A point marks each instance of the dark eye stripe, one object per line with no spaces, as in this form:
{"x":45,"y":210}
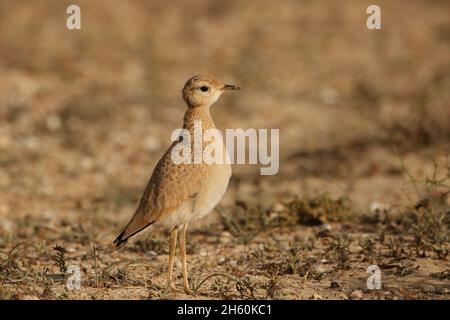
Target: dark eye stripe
{"x":204,"y":88}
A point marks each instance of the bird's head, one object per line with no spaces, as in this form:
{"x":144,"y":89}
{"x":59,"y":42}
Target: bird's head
{"x":204,"y":90}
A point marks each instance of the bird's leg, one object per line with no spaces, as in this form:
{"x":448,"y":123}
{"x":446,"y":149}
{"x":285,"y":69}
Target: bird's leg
{"x":183,"y":258}
{"x":173,"y":246}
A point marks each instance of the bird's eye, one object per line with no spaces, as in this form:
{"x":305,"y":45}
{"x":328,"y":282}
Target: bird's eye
{"x":204,"y":88}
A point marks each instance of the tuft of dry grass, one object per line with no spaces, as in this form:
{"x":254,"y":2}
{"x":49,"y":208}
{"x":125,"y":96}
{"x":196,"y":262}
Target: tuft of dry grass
{"x":321,"y":209}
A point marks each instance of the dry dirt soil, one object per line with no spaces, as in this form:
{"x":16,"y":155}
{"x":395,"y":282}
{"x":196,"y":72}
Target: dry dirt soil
{"x":364,"y":121}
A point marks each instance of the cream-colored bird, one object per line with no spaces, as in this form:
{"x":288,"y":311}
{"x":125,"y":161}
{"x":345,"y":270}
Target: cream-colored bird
{"x":179,"y":193}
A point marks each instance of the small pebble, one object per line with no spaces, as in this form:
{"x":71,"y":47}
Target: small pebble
{"x":151,"y":253}
{"x":357,"y":294}
{"x":225,"y":237}
{"x":278,"y":207}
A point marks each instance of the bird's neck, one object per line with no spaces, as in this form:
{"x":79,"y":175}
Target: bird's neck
{"x":200,"y":114}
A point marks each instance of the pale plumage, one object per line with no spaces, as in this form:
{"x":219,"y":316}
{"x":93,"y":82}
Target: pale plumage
{"x":179,"y":193}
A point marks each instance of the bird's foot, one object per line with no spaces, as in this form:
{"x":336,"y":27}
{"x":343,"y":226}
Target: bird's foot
{"x":188,"y":290}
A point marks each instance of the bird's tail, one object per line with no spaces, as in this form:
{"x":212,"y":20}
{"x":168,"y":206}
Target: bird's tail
{"x":133,"y":227}
{"x":120,"y":241}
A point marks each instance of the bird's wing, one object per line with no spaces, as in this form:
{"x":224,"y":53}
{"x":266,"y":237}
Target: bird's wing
{"x":170,"y":187}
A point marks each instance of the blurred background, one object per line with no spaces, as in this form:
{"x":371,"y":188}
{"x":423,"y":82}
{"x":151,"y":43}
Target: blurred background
{"x":85,"y":114}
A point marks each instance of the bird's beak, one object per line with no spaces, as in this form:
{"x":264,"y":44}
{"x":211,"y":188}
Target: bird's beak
{"x":230,"y":87}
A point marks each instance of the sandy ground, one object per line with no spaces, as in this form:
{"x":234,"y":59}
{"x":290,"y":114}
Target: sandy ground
{"x":363,"y":118}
